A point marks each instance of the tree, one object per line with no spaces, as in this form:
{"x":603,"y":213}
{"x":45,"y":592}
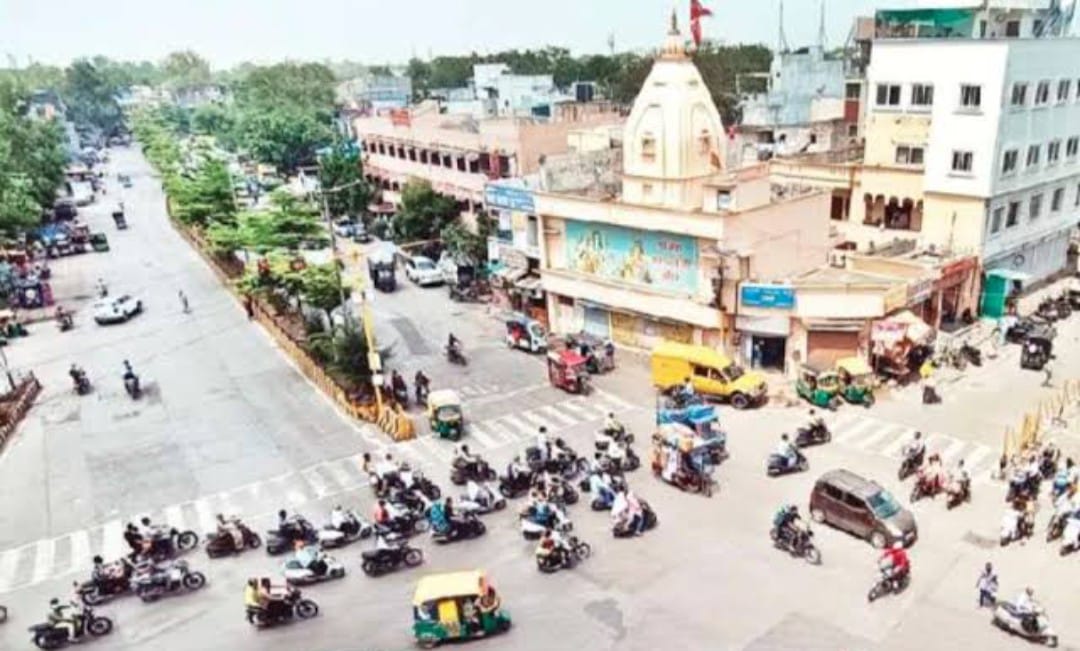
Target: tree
{"x":460,"y":241}
{"x":287,"y":224}
{"x":291,"y":85}
{"x":351,"y":355}
{"x":206,"y":197}
{"x":321,"y":288}
{"x":340,"y":167}
{"x":32,"y":160}
{"x":91,"y":97}
{"x":423,"y":212}
{"x":284,"y":137}
{"x":185,"y":69}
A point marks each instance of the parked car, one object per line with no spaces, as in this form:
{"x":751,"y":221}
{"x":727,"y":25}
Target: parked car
{"x":344,"y":228}
{"x":65,"y":209}
{"x":117,"y":310}
{"x":361,"y":234}
{"x":861,"y":507}
{"x":422,"y":271}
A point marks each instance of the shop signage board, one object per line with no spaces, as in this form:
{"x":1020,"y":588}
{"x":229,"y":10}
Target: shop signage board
{"x":769,"y":296}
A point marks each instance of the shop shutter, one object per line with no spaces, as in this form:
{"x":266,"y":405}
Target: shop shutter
{"x":830,"y":345}
{"x":596,"y":322}
{"x":625,"y":329}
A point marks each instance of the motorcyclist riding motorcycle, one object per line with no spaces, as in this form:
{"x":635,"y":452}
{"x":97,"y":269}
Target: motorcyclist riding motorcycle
{"x":959,"y":481}
{"x":516,"y":469}
{"x":131,"y":381}
{"x":787,"y":451}
{"x":1028,"y":608}
{"x":551,"y":548}
{"x":422,"y":387}
{"x":65,"y":616}
{"x":311,"y":558}
{"x":466,"y":460}
{"x":292,"y":528}
{"x":894,"y":563}
{"x":397,"y":383}
{"x":230,"y":527}
{"x":786,"y":522}
{"x":600,"y":487}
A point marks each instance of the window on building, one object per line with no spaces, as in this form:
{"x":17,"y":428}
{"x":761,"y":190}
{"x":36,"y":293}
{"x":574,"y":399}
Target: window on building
{"x":646,"y":190}
{"x":1077,"y":201}
{"x":1033,"y":155}
{"x":1057,"y":199}
{"x":1072,"y":145}
{"x":922,"y":95}
{"x":852,"y":90}
{"x":852,"y":130}
{"x":474,"y":165}
{"x":1064,"y":90}
{"x":1036,"y":26}
{"x":461,"y":163}
{"x":907,"y":155}
{"x":1013,"y":216}
{"x":648,"y":148}
{"x":1042,"y":93}
{"x":1012,"y":29}
{"x":401,"y":152}
{"x":962,"y":161}
{"x":1035,"y":207}
{"x":970,"y":96}
{"x":412,"y":154}
{"x":995,"y":220}
{"x":1053,"y":152}
{"x":888,"y":95}
{"x":1019,"y":94}
{"x":1008,"y":161}
{"x":532,"y":232}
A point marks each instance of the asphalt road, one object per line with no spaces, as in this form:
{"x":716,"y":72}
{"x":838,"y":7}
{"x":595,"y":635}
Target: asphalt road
{"x":229,"y":426}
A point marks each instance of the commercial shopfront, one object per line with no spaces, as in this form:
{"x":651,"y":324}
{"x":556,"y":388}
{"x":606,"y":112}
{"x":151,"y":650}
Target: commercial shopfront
{"x":763,"y":325}
{"x":514,"y":250}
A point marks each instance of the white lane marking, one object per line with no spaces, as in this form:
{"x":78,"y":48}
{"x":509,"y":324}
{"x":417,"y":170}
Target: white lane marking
{"x":80,"y":551}
{"x":205,"y":515}
{"x":616,"y":401}
{"x":974,"y":462}
{"x":433,"y":447}
{"x":883,"y":431}
{"x":44,"y":553}
{"x":575,"y":406}
{"x":476,"y":432}
{"x":893,"y":450}
{"x":952,"y":451}
{"x":537,"y":420}
{"x":112,"y":540}
{"x":174,"y":516}
{"x":516,"y":423}
{"x":9,"y":564}
{"x":857,"y":428}
{"x":316,"y":482}
{"x":340,"y":474}
{"x":556,"y":415}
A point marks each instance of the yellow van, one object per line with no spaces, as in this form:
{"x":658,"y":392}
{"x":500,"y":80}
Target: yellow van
{"x":710,"y":371}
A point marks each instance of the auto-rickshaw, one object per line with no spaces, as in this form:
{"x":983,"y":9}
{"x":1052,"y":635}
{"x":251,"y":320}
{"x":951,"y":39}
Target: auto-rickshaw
{"x":99,"y":241}
{"x":445,"y":415}
{"x":526,"y":334}
{"x":599,"y":353}
{"x":1037,"y":348}
{"x":856,"y":381}
{"x":567,"y":371}
{"x":819,"y":385}
{"x":703,"y":421}
{"x":121,"y":221}
{"x":456,"y":606}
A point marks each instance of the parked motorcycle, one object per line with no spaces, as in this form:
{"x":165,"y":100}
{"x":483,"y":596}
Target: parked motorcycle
{"x":50,"y":636}
{"x":799,"y":543}
{"x":218,"y":545}
{"x":161,"y":580}
{"x":377,"y":562}
{"x":1035,"y":628}
{"x":564,"y":559}
{"x":279,"y":611}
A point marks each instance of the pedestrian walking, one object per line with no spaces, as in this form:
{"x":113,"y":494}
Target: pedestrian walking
{"x":184,"y":302}
{"x":757,"y":354}
{"x":1047,"y":381}
{"x":988,"y":585}
{"x":248,"y":307}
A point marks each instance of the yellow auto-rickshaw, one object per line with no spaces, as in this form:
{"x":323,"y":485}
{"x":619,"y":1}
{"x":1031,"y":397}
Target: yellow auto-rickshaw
{"x":445,"y":415}
{"x":456,"y":606}
{"x":856,"y":380}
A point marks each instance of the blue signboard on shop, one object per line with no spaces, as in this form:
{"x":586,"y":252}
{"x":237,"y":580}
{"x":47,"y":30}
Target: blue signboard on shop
{"x":767,"y":296}
{"x":507,"y":197}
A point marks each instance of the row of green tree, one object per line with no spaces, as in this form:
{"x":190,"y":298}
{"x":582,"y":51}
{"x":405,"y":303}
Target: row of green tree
{"x":619,"y":75}
{"x":32,"y":160}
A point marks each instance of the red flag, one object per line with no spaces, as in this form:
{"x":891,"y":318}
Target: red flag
{"x":697,"y":12}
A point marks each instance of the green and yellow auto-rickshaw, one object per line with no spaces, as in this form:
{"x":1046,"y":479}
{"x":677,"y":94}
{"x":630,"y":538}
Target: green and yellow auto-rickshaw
{"x":456,"y":606}
{"x":819,"y":385}
{"x":445,"y":415}
{"x":856,"y":381}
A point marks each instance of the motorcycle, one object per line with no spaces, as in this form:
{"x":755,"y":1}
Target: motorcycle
{"x":352,"y":529}
{"x":1022,"y":486}
{"x":488,"y":502}
{"x":377,"y":562}
{"x":1035,"y":627}
{"x":462,"y":472}
{"x":607,"y":435}
{"x":408,"y":523}
{"x":455,"y":356}
{"x":131,"y":385}
{"x":798,"y":543}
{"x":65,"y":322}
{"x":278,"y":542}
{"x":627,"y":461}
{"x":464,"y":528}
{"x":563,"y":463}
{"x":911,"y":463}
{"x":779,"y":465}
{"x":622,"y":529}
{"x":82,"y":384}
{"x":169,"y":544}
{"x":322,"y":569}
{"x":425,"y":486}
{"x":925,"y":486}
{"x":1014,"y":527}
{"x":533,"y":527}
{"x":401,"y":396}
{"x":958,"y":494}
{"x":161,"y":580}
{"x":50,"y":636}
{"x":564,"y":558}
{"x":1070,"y":536}
{"x":93,"y":593}
{"x":561,"y":493}
{"x":279,"y":611}
{"x":602,"y":503}
{"x":223,"y":544}
{"x":513,"y":488}
{"x":888,"y":583}
{"x":814,"y":434}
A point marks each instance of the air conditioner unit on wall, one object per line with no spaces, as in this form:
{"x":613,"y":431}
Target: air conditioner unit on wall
{"x":838,"y":259}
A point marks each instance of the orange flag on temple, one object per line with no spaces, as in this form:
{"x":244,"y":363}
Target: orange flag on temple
{"x":697,"y":12}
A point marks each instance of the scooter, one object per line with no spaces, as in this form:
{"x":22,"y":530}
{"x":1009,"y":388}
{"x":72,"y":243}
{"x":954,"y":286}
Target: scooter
{"x":623,"y":529}
{"x":532,"y":528}
{"x":910,"y":464}
{"x":218,"y":545}
{"x":1070,"y":537}
{"x":464,"y":528}
{"x":1014,"y":527}
{"x":488,"y":502}
{"x":277,"y":544}
{"x":324,"y":568}
{"x":565,"y":558}
{"x":354,"y":528}
{"x":166,"y":579}
{"x":815,"y":434}
{"x":779,"y":464}
{"x":1038,"y":629}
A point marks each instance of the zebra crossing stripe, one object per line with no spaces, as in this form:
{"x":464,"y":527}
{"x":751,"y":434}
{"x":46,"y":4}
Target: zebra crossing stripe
{"x":876,"y":436}
{"x":952,"y":451}
{"x":975,"y":458}
{"x":575,"y":406}
{"x":476,"y":431}
{"x":537,"y":420}
{"x":44,"y":552}
{"x":9,"y":564}
{"x":431,"y":445}
{"x":339,"y":473}
{"x":562,"y":419}
{"x":855,"y":430}
{"x":843,"y":420}
{"x":894,"y":450}
{"x":112,"y":540}
{"x":516,"y":423}
{"x":316,"y":482}
{"x":80,"y":551}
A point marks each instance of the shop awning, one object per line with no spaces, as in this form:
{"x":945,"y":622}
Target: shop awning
{"x":902,"y":325}
{"x":1009,"y":274}
{"x":834,"y":325}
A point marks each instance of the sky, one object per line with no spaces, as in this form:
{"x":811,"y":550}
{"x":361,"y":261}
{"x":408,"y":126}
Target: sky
{"x":227,"y":32}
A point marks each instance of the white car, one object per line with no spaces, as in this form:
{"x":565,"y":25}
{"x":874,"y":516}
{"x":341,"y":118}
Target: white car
{"x":422,"y":271}
{"x":116,"y":310}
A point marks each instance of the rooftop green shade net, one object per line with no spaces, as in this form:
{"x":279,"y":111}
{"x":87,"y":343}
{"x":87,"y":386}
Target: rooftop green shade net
{"x":924,"y":23}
